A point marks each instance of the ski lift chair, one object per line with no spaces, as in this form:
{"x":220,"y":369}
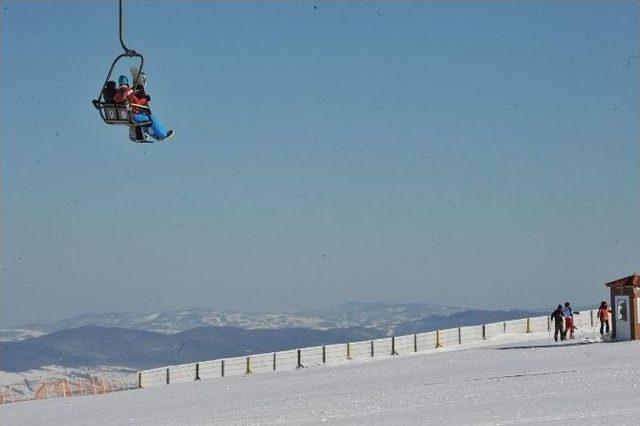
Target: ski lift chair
{"x":122,"y":113}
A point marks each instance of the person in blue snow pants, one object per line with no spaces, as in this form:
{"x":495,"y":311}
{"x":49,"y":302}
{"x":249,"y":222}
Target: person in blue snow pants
{"x":156,"y":130}
{"x":139,"y":102}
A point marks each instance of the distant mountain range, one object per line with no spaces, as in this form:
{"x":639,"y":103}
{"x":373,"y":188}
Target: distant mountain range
{"x":85,"y":341}
{"x":462,"y":319}
{"x":121,"y":347}
{"x":379,"y":315}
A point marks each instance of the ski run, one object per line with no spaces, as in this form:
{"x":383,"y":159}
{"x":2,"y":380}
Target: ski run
{"x":518,"y":379}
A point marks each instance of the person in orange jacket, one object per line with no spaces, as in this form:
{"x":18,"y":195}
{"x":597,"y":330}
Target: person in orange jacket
{"x":603,"y":316}
{"x":569,"y":326}
{"x":139,"y":100}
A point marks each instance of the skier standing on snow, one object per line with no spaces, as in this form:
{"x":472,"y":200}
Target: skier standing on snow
{"x":558,"y":318}
{"x":603,"y":315}
{"x":568,"y":320}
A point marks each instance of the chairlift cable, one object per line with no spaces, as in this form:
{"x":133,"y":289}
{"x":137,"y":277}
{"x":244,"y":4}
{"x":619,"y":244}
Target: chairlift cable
{"x":126,"y":49}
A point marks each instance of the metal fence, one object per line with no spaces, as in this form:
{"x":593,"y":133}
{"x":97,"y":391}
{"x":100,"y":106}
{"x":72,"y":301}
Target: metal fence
{"x":349,"y":351}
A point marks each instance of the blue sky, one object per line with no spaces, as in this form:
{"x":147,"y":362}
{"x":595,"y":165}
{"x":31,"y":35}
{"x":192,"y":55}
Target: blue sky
{"x":475,"y":154}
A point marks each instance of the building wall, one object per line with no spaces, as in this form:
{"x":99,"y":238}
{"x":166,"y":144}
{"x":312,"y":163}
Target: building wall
{"x":634,"y":294}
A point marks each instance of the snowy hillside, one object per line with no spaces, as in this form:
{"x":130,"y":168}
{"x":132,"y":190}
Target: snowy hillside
{"x":18,"y":334}
{"x":520,"y":379}
{"x":121,"y":347}
{"x":98,"y":350}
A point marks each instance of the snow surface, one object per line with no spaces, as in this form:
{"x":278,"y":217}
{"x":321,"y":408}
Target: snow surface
{"x":521,"y":379}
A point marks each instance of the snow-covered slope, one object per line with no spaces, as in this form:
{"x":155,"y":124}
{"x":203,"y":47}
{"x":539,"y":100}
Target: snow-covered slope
{"x":522,"y":379}
{"x":18,"y":334}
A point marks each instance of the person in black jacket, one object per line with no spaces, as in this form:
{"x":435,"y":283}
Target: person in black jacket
{"x":558,"y":318}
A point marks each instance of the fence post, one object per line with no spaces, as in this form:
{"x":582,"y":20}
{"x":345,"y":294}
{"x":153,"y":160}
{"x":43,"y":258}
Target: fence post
{"x":299,"y":359}
{"x":459,"y":335}
{"x":248,"y":366}
{"x":348,"y":350}
{"x":139,"y":379}
{"x":591,"y":313}
{"x":484,"y":332}
{"x":504,"y":327}
{"x":528,"y":325}
{"x":372,"y":349}
{"x":274,"y":361}
{"x":415,"y":342}
{"x":197,"y":371}
{"x":438,"y":343}
{"x":167,"y":376}
{"x":548,"y":324}
{"x":393,"y":345}
{"x":324,"y":354}
{"x":222,"y":368}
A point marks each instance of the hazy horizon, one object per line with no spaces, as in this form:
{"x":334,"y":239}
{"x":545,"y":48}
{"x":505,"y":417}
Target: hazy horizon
{"x":284,"y":311}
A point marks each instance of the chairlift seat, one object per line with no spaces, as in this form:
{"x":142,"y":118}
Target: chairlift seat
{"x":118,"y":114}
{"x":121,"y":113}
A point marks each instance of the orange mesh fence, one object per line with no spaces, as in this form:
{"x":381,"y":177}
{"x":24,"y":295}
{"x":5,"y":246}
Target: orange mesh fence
{"x":62,"y":388}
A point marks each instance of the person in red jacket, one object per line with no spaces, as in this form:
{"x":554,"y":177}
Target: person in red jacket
{"x":139,"y":101}
{"x":603,"y":316}
{"x":569,"y":326}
